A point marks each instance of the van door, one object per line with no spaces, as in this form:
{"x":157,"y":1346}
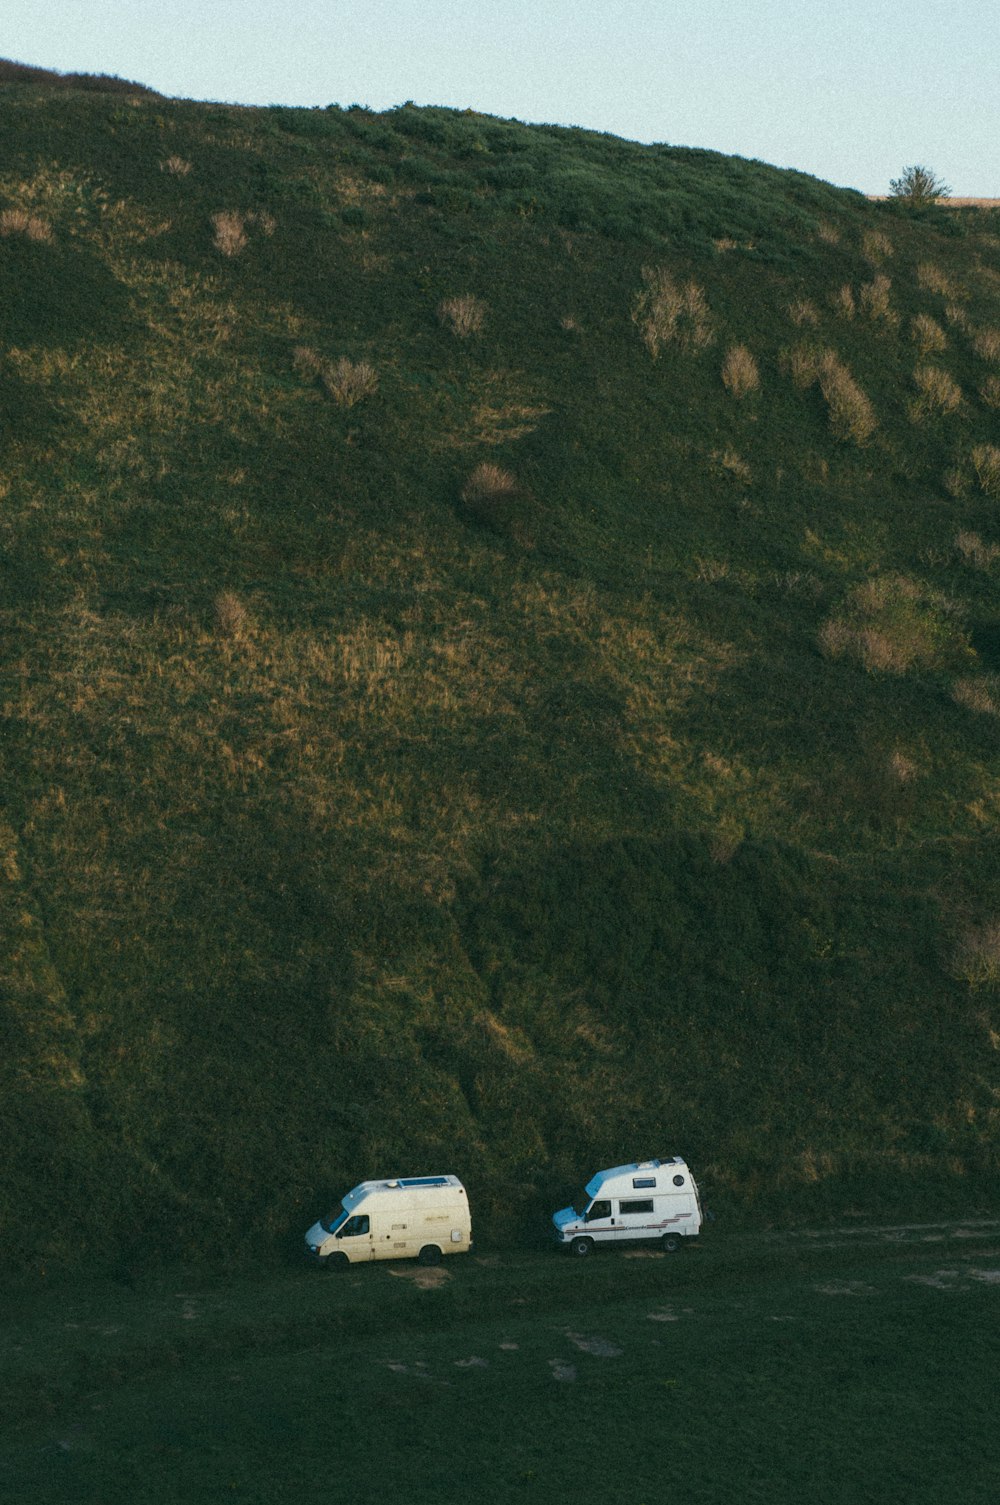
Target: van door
{"x":357,"y":1240}
{"x":598,"y":1219}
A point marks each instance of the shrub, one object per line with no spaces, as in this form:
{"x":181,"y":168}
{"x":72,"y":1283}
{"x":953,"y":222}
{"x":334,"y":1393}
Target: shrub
{"x":927,"y":335}
{"x":739,"y":371}
{"x":986,"y":463}
{"x":349,"y":381}
{"x":918,"y":185}
{"x":230,"y":232}
{"x":939,"y":394}
{"x":664,"y":312}
{"x":19,"y":222}
{"x":464,"y":315}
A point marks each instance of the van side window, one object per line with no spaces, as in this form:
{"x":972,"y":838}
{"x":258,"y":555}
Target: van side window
{"x":639,"y":1182}
{"x":637,"y":1206}
{"x":599,"y":1210}
{"x":354,"y":1226}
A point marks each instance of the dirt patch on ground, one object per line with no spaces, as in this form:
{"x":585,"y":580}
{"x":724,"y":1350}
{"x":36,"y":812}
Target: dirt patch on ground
{"x":428,"y":1279}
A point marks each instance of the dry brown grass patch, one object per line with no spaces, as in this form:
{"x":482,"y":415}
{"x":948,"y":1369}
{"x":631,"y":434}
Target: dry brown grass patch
{"x":464,"y":315}
{"x":740,"y":374}
{"x":933,"y":280}
{"x":827,"y":233}
{"x":973,"y":551}
{"x":891,"y":624}
{"x":803,"y":312}
{"x":665,"y":312}
{"x":20,"y":222}
{"x":178,"y":167}
{"x":979,"y":693}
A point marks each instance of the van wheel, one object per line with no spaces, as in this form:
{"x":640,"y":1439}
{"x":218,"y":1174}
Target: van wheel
{"x":671,"y":1242}
{"x":430,"y":1254}
{"x":581,"y":1247}
{"x":338,"y":1261}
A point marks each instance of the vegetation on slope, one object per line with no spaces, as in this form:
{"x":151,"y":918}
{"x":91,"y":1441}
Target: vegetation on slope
{"x":501,"y":670}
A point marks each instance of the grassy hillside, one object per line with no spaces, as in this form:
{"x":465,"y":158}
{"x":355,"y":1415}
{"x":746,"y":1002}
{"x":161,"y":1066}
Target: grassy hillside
{"x":501,"y":672}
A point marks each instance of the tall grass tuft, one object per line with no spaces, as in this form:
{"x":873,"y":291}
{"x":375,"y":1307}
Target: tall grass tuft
{"x":842,"y":301}
{"x":876,"y":246}
{"x":178,"y":167}
{"x":986,"y":464}
{"x":740,"y":374}
{"x":986,"y":344}
{"x":939,"y":394}
{"x":927,"y":335}
{"x":666,"y":312}
{"x":974,"y":551}
{"x":231,"y":616}
{"x":348,"y":382}
{"x":852,"y":418}
{"x":977,"y":956}
{"x":990,"y":391}
{"x":230,"y":232}
{"x":874,"y":299}
{"x":464,"y":315}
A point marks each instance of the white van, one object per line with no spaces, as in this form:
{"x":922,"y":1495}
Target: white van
{"x":653,"y":1199}
{"x":416,"y":1217}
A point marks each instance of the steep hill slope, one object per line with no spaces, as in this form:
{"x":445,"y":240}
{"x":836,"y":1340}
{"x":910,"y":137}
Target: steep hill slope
{"x":501,"y":670}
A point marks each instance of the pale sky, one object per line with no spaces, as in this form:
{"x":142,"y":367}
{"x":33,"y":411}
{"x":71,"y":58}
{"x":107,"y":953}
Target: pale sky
{"x":852,"y":91}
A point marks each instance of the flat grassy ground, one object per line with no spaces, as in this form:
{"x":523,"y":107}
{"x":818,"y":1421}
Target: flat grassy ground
{"x":853,"y":1364}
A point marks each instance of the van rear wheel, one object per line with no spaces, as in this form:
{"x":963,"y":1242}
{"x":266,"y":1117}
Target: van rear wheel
{"x":430,"y":1254}
{"x":671,"y":1242}
{"x":581,"y":1247}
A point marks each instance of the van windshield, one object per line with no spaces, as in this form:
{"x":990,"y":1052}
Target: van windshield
{"x":580,"y":1203}
{"x":333,"y":1219}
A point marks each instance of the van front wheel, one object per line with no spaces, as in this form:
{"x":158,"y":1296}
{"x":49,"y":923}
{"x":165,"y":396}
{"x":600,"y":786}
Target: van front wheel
{"x":430,"y":1254}
{"x":581,"y":1247}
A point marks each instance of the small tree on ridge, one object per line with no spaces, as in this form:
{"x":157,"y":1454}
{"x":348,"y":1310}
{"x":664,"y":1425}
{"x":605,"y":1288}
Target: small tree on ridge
{"x":918,"y":185}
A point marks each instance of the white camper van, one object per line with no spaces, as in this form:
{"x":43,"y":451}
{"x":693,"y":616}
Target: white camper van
{"x":653,"y":1199}
{"x":416,"y":1217}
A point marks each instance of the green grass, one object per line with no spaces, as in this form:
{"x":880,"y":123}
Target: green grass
{"x":852,"y":1367}
{"x":348,"y":828}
